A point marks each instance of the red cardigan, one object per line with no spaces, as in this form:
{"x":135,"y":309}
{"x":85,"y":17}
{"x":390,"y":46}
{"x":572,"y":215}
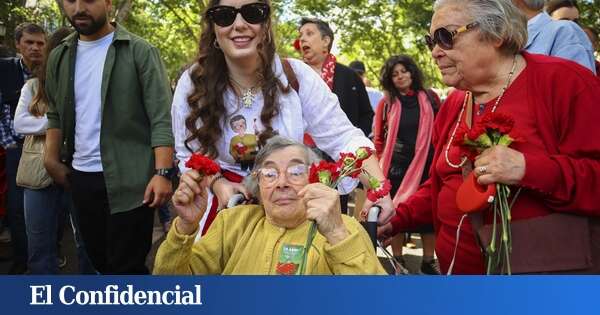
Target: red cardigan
{"x":563,"y":98}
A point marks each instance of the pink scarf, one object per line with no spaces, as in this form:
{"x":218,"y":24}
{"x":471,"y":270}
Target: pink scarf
{"x":412,"y":178}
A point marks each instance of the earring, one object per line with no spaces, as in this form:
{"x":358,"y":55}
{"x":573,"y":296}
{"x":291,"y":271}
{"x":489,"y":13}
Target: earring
{"x":268,"y":37}
{"x":216,"y":44}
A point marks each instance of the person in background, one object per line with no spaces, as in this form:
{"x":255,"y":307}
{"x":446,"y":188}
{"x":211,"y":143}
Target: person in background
{"x":374,"y":94}
{"x":238,"y":73}
{"x":45,"y":207}
{"x":402,"y":136}
{"x":316,"y":40}
{"x":562,"y":9}
{"x":108,"y":99}
{"x":563,"y":39}
{"x":30,"y":40}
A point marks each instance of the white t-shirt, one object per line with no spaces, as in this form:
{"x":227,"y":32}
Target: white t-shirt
{"x":315,"y":110}
{"x":89,"y":67}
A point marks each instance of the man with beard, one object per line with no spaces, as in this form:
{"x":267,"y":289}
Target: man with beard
{"x":30,"y":40}
{"x":109,"y":116}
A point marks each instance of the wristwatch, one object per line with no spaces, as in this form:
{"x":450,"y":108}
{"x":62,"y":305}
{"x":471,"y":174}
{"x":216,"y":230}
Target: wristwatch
{"x":168,"y":173}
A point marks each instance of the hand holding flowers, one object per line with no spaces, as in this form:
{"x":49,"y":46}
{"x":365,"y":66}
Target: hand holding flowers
{"x":487,"y":143}
{"x":189,"y":199}
{"x":330,"y":174}
{"x":502,"y":164}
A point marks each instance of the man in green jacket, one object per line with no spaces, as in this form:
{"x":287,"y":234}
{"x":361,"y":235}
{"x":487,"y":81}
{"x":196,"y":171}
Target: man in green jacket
{"x":109,"y":116}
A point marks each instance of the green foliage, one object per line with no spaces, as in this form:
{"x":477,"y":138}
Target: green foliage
{"x":170,"y":25}
{"x":367,"y":30}
{"x":13,"y":13}
{"x":590,"y":15}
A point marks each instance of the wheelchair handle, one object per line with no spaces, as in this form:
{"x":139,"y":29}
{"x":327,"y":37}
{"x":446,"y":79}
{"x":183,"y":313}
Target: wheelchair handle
{"x":371,"y":224}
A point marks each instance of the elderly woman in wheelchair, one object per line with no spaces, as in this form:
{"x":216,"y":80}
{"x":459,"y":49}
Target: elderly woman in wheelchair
{"x":268,"y":238}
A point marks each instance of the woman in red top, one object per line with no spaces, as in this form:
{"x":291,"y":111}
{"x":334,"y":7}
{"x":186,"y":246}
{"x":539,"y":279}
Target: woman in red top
{"x":555,"y":225}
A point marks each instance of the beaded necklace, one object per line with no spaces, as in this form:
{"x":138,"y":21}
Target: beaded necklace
{"x":464,"y":105}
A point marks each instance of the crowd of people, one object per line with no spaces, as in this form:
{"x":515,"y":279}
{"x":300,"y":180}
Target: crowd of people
{"x":92,"y":135}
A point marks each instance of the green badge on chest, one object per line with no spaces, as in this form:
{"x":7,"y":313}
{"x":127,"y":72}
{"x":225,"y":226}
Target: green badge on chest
{"x":290,"y":259}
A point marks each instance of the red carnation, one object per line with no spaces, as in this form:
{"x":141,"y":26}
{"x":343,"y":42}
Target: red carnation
{"x":475,"y":132}
{"x":324,"y":173}
{"x":382,"y":191}
{"x":503,"y":123}
{"x":202,"y":164}
{"x":297,"y":44}
{"x":363,"y":153}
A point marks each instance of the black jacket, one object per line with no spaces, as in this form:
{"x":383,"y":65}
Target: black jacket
{"x":11,"y":82}
{"x":353,"y":97}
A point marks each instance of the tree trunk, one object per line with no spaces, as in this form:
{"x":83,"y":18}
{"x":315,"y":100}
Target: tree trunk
{"x":123,"y":11}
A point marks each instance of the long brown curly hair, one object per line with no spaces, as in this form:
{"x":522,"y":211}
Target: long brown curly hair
{"x":210,"y":77}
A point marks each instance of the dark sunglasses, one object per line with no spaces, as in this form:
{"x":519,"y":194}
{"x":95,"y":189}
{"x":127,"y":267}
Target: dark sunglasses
{"x":445,"y":38}
{"x":253,"y":13}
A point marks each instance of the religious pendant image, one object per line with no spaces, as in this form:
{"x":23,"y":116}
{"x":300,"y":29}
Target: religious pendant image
{"x":248,"y":98}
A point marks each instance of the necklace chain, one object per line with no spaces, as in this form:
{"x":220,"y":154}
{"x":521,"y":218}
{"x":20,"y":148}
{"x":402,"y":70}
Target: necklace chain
{"x":247,"y":94}
{"x":463,"y":159}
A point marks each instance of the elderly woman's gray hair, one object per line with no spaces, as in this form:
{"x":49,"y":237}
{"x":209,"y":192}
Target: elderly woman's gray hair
{"x":497,"y":20}
{"x":276,"y":143}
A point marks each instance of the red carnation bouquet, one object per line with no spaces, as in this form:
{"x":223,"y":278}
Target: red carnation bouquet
{"x":332,"y":173}
{"x":493,"y":129}
{"x":203,"y":164}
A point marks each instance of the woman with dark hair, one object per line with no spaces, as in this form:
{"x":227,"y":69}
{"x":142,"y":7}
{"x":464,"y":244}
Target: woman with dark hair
{"x":402,"y":137}
{"x":237,"y":72}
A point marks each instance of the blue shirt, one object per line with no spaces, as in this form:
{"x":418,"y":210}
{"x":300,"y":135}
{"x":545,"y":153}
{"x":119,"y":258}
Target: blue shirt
{"x":563,"y":39}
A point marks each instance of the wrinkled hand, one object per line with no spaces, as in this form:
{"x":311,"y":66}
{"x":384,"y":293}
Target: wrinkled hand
{"x":387,"y":209}
{"x":385,"y":234}
{"x":323,"y":206}
{"x":500,"y":164}
{"x":225,"y":189}
{"x":158,"y":191}
{"x":190,"y":201}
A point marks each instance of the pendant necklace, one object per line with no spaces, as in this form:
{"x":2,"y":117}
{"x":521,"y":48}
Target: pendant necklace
{"x":468,"y":96}
{"x":247,"y":94}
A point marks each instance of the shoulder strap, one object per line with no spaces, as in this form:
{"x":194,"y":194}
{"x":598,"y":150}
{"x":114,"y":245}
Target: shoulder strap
{"x":290,"y":75}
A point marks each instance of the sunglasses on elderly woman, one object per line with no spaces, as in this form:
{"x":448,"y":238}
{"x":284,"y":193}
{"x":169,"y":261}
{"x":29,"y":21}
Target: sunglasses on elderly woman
{"x":295,"y":174}
{"x":253,"y":13}
{"x":445,"y":38}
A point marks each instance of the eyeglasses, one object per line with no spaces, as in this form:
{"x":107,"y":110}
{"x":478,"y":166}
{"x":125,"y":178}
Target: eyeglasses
{"x":445,"y":38}
{"x":253,"y":13}
{"x":295,"y":174}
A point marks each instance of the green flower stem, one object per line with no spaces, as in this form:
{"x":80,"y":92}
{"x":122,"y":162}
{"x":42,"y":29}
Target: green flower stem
{"x":312,"y":232}
{"x":492,"y":247}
